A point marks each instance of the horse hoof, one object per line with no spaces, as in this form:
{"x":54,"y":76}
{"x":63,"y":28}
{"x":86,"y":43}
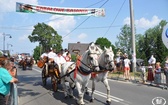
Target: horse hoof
{"x":66,"y":97}
{"x":91,"y":100}
{"x":108,"y":102}
{"x":80,"y":103}
{"x":70,"y":96}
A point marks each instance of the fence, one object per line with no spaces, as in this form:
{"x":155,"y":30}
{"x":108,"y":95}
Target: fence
{"x":13,"y":96}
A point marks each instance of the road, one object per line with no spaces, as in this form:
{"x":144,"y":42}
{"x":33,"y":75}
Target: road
{"x":32,"y":92}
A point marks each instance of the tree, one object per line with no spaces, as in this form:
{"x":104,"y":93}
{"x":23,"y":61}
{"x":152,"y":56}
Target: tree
{"x":124,"y":43}
{"x":104,"y":42}
{"x":151,"y":43}
{"x":37,"y":53}
{"x":46,"y":36}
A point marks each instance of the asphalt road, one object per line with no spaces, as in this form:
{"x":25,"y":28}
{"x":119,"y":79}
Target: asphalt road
{"x":32,"y":92}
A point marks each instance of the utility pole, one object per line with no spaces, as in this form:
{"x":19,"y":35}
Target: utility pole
{"x":133,"y":36}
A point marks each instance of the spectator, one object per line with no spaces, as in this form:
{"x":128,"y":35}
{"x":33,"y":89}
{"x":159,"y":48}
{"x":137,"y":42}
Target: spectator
{"x":150,"y":77}
{"x":166,"y":71}
{"x":5,"y":80}
{"x":152,"y":62}
{"x":127,"y":68}
{"x":157,"y":78}
{"x":12,"y":72}
{"x":143,"y":73}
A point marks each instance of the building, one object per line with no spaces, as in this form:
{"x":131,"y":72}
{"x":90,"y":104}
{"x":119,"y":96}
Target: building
{"x":78,"y":47}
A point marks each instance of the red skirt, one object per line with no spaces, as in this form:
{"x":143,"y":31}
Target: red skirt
{"x":150,"y":76}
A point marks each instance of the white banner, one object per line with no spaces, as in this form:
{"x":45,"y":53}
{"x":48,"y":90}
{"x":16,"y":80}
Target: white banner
{"x":27,"y":8}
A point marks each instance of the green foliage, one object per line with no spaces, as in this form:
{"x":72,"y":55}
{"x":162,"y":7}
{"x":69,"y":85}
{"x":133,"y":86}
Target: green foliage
{"x":37,"y":53}
{"x":73,"y":57}
{"x":103,"y":42}
{"x":124,"y":40}
{"x":0,"y":54}
{"x":151,"y":43}
{"x":146,"y":45}
{"x":46,"y":36}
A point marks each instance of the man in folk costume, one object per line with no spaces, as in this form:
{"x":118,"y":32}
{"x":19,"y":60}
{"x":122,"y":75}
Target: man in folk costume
{"x":51,"y":57}
{"x":59,"y":59}
{"x":65,"y":52}
{"x":44,"y":58}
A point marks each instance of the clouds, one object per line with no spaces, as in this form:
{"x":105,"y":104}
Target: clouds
{"x":62,"y":24}
{"x":65,"y":24}
{"x":144,"y":23}
{"x":82,"y":36}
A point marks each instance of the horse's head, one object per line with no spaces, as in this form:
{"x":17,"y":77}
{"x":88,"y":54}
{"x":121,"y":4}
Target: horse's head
{"x":90,"y":57}
{"x":109,"y":58}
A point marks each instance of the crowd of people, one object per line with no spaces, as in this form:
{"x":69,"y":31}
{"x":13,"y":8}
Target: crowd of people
{"x":150,"y":73}
{"x":7,"y":77}
{"x":154,"y":72}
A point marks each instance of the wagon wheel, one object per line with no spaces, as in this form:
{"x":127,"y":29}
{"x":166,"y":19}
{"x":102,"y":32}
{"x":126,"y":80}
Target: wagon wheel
{"x":43,"y":77}
{"x":54,"y":84}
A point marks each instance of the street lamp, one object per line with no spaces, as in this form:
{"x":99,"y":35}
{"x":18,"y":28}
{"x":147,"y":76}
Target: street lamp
{"x":9,"y":45}
{"x":4,"y":35}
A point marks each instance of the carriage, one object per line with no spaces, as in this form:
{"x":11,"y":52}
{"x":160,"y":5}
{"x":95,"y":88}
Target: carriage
{"x":79,"y":74}
{"x":49,"y":70}
{"x":27,"y":62}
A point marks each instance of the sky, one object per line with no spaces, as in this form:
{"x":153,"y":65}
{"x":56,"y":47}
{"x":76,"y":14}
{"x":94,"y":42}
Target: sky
{"x":73,"y":29}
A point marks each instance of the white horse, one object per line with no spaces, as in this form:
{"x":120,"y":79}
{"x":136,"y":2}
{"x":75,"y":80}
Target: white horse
{"x":106,"y":64}
{"x":80,"y":74}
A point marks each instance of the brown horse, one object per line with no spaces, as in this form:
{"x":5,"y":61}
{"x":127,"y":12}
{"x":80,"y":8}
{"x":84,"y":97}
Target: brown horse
{"x":49,"y":70}
{"x":28,"y":62}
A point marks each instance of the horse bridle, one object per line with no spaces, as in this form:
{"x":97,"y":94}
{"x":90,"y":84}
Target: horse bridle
{"x":107,"y":62}
{"x":92,"y":67}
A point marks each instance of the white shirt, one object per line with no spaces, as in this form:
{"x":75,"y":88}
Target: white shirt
{"x":143,"y":69}
{"x":44,"y":54}
{"x":59,"y":60}
{"x":19,"y":57}
{"x":64,"y":54}
{"x":152,"y":60}
{"x":118,"y":59}
{"x":52,"y":55}
{"x":126,"y":62}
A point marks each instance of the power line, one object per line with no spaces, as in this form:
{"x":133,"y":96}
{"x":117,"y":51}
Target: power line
{"x":100,"y":27}
{"x":115,"y":18}
{"x":83,"y":21}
